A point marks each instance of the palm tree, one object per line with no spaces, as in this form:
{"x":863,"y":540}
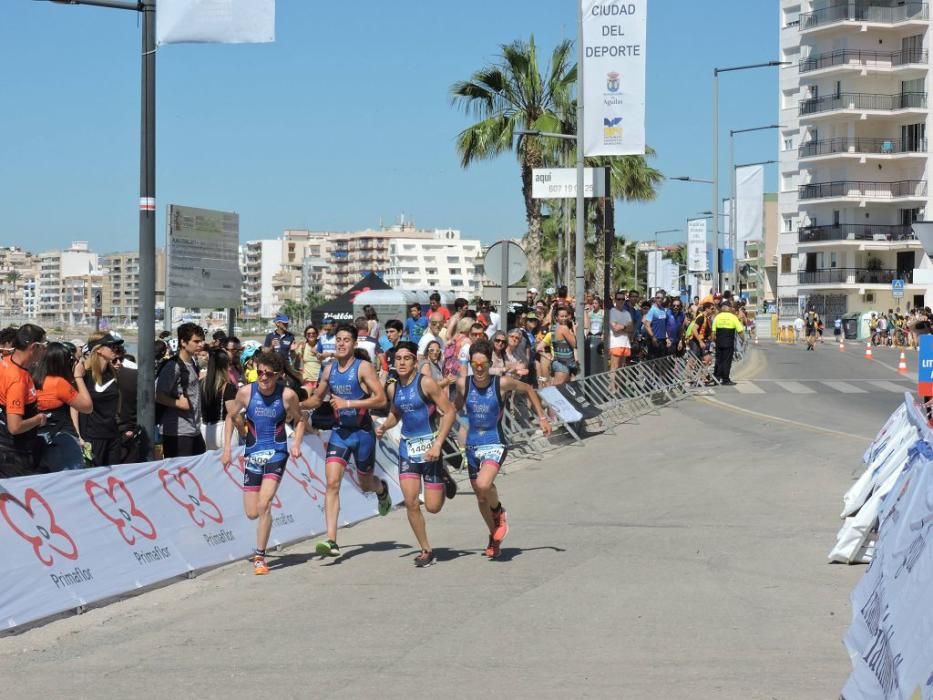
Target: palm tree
{"x":513,"y":95}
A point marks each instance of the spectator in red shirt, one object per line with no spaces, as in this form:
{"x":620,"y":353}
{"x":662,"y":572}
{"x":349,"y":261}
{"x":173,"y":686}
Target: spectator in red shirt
{"x":19,"y":415}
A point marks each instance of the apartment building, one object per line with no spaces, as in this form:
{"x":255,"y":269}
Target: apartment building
{"x":54,"y":268}
{"x":862,"y":159}
{"x":120,"y":285}
{"x":443,"y":261}
{"x":274,"y":270}
{"x":789,"y":169}
{"x":17,"y":271}
{"x":758,"y":267}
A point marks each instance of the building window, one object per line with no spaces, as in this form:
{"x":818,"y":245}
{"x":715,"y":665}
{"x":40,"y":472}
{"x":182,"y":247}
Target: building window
{"x":789,"y":144}
{"x":785,"y":264}
{"x":788,"y":224}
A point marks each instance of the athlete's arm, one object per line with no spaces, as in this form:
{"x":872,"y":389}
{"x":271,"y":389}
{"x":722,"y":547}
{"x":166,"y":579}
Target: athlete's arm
{"x":393,"y":417}
{"x":320,"y":391}
{"x":507,"y":384}
{"x":369,"y":381}
{"x":238,"y":404}
{"x":448,"y":415}
{"x":461,"y":393}
{"x":569,"y":336}
{"x":293,"y":413}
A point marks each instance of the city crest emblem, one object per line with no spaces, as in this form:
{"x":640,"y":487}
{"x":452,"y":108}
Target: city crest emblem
{"x":612,"y":82}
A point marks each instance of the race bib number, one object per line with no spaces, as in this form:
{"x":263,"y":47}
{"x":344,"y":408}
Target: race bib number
{"x":257,"y":460}
{"x":418,"y":447}
{"x":491,"y":453}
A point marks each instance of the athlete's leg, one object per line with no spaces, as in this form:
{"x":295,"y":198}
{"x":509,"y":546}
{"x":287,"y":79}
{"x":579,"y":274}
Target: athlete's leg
{"x":411,"y":489}
{"x":487,"y":496}
{"x":266,"y":493}
{"x":333,"y":470}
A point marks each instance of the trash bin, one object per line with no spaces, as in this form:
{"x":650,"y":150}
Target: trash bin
{"x":594,"y":360}
{"x":850,"y":325}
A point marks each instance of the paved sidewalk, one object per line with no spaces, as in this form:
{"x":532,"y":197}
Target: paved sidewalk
{"x":682,"y":557}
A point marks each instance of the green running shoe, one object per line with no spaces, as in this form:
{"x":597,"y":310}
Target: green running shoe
{"x":385,"y":499}
{"x":327,"y":548}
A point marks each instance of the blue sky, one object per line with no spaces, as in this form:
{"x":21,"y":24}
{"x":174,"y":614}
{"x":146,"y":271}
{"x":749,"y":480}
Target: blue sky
{"x":342,"y":123}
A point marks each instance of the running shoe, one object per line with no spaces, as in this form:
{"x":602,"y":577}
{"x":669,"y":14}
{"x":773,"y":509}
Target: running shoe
{"x":450,"y":486}
{"x":327,"y":548}
{"x":385,"y":499}
{"x":492,"y":549}
{"x":426,"y":558}
{"x":260,"y":568}
{"x":502,"y":525}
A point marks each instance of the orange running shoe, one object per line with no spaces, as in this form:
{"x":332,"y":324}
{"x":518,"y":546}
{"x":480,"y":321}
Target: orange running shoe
{"x":492,"y":549}
{"x":260,"y":568}
{"x":502,"y":525}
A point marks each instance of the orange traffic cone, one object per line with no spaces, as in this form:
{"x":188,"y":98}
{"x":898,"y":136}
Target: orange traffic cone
{"x":902,"y":365}
{"x":868,"y":354}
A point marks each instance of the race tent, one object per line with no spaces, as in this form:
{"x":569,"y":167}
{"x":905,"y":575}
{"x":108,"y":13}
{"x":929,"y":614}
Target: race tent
{"x":341,"y":308}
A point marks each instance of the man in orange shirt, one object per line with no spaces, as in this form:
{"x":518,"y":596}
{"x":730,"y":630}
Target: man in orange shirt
{"x":19,"y":415}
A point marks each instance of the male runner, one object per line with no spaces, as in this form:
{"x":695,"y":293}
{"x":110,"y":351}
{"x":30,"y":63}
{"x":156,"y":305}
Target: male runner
{"x":415,"y":401}
{"x":268,"y":405}
{"x":483,"y":397}
{"x":355,"y":390}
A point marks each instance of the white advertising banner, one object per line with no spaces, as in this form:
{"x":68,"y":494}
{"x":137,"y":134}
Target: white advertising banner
{"x":76,"y":537}
{"x":749,"y":205}
{"x":653,"y":259}
{"x":215,"y":21}
{"x":697,"y":245}
{"x":203,"y":264}
{"x":614,"y":48}
{"x":561,"y":183}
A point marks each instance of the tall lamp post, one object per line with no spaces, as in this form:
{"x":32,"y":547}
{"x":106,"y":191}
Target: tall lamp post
{"x":145,"y":384}
{"x":716,"y":205}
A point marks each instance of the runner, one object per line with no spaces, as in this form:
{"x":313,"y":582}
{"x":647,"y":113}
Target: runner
{"x":268,"y":405}
{"x":812,"y":324}
{"x":355,"y":390}
{"x":415,"y":401}
{"x":483,"y":398}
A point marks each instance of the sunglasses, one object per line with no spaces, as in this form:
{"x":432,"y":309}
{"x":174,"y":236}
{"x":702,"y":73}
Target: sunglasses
{"x":499,"y":341}
{"x":265,"y":373}
{"x":479,"y":365}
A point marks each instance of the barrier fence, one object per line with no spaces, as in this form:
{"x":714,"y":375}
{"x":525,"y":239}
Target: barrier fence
{"x":74,"y":538}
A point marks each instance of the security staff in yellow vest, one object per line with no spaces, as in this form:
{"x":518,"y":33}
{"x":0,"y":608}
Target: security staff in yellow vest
{"x":725,"y":326}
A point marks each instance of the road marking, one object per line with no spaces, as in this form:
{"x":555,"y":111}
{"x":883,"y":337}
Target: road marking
{"x":748,"y":388}
{"x":805,"y":426}
{"x":844,"y":388}
{"x":889,"y":386}
{"x":796,"y":388}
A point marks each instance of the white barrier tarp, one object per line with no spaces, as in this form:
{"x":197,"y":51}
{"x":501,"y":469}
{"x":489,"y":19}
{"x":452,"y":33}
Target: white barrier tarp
{"x":76,"y":537}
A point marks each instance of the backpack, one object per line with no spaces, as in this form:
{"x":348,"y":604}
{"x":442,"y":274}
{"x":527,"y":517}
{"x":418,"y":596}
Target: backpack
{"x":183,"y":380}
{"x":451,"y":364}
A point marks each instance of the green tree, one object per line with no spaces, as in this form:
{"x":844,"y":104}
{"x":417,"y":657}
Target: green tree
{"x":514,"y":95}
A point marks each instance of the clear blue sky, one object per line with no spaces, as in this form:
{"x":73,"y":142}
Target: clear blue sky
{"x":343,"y":122}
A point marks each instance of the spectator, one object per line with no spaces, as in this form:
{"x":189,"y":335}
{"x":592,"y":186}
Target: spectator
{"x":461,"y":306}
{"x":798,"y":328}
{"x":364,"y":341}
{"x":7,"y":338}
{"x":60,"y":387}
{"x":655,"y":325}
{"x":498,"y":366}
{"x":593,"y":318}
{"x":248,"y":357}
{"x":178,"y":390}
{"x":415,"y":325}
{"x":19,"y":415}
{"x":516,"y":357}
{"x":563,"y":345}
{"x":219,"y":339}
{"x":310,"y":358}
{"x":394,"y":334}
{"x":437,"y":307}
{"x":100,"y":428}
{"x":433,"y":334}
{"x":621,"y":326}
{"x":234,"y":349}
{"x":327,"y":340}
{"x":280,"y":340}
{"x":375,"y":328}
{"x":218,"y":396}
{"x":134,"y":442}
{"x":433,"y":366}
{"x":675,"y":325}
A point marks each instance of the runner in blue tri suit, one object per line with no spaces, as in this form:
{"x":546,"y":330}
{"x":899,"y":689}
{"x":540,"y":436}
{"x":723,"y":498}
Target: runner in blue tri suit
{"x":355,"y":390}
{"x":268,"y":406}
{"x":483,"y":397}
{"x":416,"y":401}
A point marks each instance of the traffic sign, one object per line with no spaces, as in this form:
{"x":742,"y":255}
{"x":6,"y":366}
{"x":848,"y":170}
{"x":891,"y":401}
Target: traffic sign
{"x":897,"y":288}
{"x":516,"y":261}
{"x":925,"y":366}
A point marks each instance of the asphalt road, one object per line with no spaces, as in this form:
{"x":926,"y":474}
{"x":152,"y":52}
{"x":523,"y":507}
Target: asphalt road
{"x":683,"y":556}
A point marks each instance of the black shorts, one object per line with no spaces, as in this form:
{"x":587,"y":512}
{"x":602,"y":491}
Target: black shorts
{"x":254,"y":476}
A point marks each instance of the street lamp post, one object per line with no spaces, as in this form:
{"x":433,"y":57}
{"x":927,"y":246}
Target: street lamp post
{"x":715,"y":207}
{"x":145,"y":383}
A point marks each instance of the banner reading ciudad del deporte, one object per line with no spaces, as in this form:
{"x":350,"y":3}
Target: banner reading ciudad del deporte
{"x":613,"y":61}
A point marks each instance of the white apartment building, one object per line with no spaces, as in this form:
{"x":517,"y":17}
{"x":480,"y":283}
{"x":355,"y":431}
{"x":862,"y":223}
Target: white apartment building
{"x":863,"y":77}
{"x":54,"y":267}
{"x":17,"y":270}
{"x":789,"y":169}
{"x":274,"y":270}
{"x":443,"y":262}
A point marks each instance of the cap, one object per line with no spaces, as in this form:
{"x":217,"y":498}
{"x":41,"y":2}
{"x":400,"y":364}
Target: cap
{"x":531,"y":316}
{"x":106,"y":340}
{"x":282,"y":318}
{"x":725,"y":302}
{"x":532,"y":290}
{"x":328,"y":319}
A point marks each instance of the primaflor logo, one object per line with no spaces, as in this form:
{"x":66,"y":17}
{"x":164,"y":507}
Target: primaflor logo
{"x":115,"y":502}
{"x":184,"y":488}
{"x":32,"y":519}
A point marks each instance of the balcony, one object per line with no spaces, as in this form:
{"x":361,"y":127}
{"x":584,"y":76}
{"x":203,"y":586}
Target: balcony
{"x":860,"y":12}
{"x":858,"y":59}
{"x":860,"y":189}
{"x":861,"y":146}
{"x":855,"y":232}
{"x":862,"y":102}
{"x":853,"y":275}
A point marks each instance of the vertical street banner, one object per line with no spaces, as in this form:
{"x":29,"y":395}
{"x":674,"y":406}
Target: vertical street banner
{"x":613,"y":61}
{"x":749,"y":205}
{"x":696,"y":245}
{"x":215,"y":21}
{"x":925,"y":366}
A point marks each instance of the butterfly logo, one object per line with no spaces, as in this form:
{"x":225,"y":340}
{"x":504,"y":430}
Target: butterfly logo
{"x":615,"y":121}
